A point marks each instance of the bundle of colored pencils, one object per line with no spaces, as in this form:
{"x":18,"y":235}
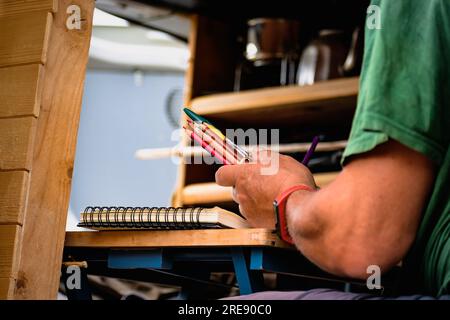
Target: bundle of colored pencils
{"x":218,"y":145}
{"x":212,"y":140}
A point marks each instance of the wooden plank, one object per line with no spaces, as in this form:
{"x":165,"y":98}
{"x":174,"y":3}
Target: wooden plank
{"x":292,"y":104}
{"x":211,"y":193}
{"x":6,"y":288}
{"x":13,"y":191}
{"x":196,"y":151}
{"x":53,"y":157}
{"x":20,"y":92}
{"x":204,"y":193}
{"x":9,"y":247}
{"x":12,"y":7}
{"x":173,"y":238}
{"x":24,"y":38}
{"x":16,"y":143}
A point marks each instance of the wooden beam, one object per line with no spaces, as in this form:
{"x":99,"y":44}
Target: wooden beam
{"x":24,"y":38}
{"x":13,"y":191}
{"x":6,"y":288}
{"x":9,"y":246}
{"x":173,"y":238}
{"x":16,"y":143}
{"x":12,"y":7}
{"x":53,"y":156}
{"x":20,"y":92}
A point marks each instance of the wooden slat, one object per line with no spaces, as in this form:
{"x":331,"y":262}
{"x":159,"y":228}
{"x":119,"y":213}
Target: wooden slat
{"x":292,"y":104}
{"x":50,"y":180}
{"x":211,"y":193}
{"x":20,"y":92}
{"x":9,"y":246}
{"x":13,"y":188}
{"x":24,"y":38}
{"x":12,"y":7}
{"x":203,"y":193}
{"x":173,"y":238}
{"x":16,"y":143}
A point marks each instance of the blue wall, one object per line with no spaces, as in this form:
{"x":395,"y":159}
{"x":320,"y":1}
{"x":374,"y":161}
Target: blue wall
{"x":118,"y":117}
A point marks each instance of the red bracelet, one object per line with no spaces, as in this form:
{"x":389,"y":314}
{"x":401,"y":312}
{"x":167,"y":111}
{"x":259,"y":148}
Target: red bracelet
{"x":279,"y":206}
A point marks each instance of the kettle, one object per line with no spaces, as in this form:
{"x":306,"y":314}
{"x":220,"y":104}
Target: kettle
{"x":327,"y":57}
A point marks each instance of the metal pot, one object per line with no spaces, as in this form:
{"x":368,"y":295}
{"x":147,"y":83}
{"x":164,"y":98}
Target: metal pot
{"x":323,"y":58}
{"x":272,"y":38}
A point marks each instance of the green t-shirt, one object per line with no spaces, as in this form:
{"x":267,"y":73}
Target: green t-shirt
{"x":405,"y":95}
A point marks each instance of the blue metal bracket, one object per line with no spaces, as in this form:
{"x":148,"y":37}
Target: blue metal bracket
{"x":280,"y":261}
{"x":135,"y":259}
{"x":248,"y":281}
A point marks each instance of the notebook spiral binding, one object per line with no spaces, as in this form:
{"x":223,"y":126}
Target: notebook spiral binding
{"x":141,"y":217}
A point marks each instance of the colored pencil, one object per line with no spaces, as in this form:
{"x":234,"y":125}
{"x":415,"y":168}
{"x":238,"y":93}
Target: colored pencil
{"x":210,"y":135}
{"x":205,"y":146}
{"x":199,"y":119}
{"x":195,"y":117}
{"x":217,"y":145}
{"x":240,"y":154}
{"x":310,"y":151}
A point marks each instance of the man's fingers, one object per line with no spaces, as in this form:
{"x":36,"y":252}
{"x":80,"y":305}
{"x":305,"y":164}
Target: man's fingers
{"x":227,"y":175}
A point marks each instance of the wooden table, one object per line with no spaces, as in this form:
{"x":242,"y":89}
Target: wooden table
{"x":188,"y":256}
{"x":174,"y":238}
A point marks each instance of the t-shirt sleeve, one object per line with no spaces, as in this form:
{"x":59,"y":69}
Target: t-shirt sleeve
{"x":404,"y":85}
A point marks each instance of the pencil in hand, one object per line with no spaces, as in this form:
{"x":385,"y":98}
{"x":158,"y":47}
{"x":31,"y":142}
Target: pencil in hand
{"x":310,"y":151}
{"x":215,"y":142}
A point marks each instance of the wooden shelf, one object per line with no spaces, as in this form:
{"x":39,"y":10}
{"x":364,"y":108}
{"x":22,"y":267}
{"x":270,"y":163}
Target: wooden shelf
{"x":292,"y":104}
{"x":211,"y":193}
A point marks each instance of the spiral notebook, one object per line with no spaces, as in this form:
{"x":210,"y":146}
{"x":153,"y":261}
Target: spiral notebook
{"x":169,"y":218}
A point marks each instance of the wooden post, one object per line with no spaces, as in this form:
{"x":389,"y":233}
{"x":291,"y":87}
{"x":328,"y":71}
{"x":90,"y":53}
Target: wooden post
{"x":43,"y":55}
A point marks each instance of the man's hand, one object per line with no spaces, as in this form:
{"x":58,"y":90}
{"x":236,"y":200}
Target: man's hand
{"x":255,"y":191}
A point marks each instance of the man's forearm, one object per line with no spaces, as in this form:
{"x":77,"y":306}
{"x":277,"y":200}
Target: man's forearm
{"x":368,"y":216}
{"x":325,"y":230}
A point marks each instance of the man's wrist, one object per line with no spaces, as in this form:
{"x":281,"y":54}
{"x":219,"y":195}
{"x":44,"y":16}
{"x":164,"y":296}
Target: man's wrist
{"x":280,"y":210}
{"x":296,"y":207}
